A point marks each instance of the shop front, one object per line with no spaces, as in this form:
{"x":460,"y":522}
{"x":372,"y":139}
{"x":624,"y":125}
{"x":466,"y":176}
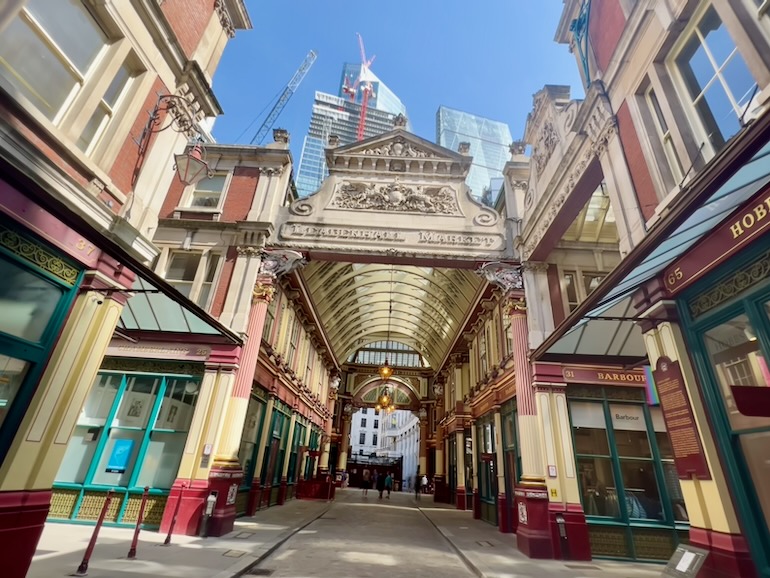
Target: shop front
{"x":130,"y":435}
{"x":726,"y":320}
{"x":487,"y":468}
{"x":250,"y":444}
{"x":511,"y":458}
{"x":628,"y":483}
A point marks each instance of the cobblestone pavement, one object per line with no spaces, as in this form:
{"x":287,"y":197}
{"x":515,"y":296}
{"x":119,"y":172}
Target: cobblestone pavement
{"x":364,"y":536}
{"x":353,"y":537}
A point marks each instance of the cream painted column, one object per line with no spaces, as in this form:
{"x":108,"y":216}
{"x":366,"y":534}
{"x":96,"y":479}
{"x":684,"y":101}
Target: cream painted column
{"x":264,"y":435}
{"x":460,"y":440}
{"x":41,"y":441}
{"x":342,"y":460}
{"x":206,"y":424}
{"x":423,"y":442}
{"x":557,"y":445}
{"x":305,"y":457}
{"x":439,"y":453}
{"x":499,"y":455}
{"x":540,"y":314}
{"x":237,"y":306}
{"x":287,"y":453}
{"x":708,"y":502}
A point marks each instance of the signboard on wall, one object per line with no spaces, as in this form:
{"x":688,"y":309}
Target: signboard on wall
{"x":680,"y":421}
{"x":603,"y":376}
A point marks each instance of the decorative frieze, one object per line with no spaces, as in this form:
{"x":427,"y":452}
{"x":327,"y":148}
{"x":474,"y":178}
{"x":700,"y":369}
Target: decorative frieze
{"x":395,"y":196}
{"x":398,"y":148}
{"x":504,"y":275}
{"x":224,"y":18}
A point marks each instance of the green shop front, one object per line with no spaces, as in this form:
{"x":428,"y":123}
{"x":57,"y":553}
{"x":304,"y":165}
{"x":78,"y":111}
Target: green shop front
{"x":133,"y":427}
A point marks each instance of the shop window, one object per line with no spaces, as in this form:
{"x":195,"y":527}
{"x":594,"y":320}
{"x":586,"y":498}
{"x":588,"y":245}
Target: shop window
{"x":362,"y":438}
{"x":250,"y":437}
{"x":74,"y":54}
{"x":193,"y":274}
{"x":27,"y":301}
{"x":34,"y":298}
{"x":208,"y":193}
{"x":737,"y":360}
{"x":618,"y":472}
{"x":718,"y":82}
{"x":131,"y":432}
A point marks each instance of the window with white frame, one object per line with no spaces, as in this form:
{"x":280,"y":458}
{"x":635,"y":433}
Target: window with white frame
{"x":209,"y":192}
{"x":65,"y":80}
{"x":193,"y":274}
{"x":718,"y":82}
{"x":293,"y":342}
{"x":664,"y":135}
{"x":578,"y":284}
{"x":310,"y":363}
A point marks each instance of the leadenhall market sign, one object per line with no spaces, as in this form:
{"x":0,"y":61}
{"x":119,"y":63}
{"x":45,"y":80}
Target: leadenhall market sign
{"x":297,"y":231}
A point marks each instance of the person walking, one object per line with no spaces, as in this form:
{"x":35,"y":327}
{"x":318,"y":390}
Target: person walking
{"x":380,"y":484}
{"x":389,"y":483}
{"x":424,"y":484}
{"x":366,"y":481}
{"x":417,"y":486}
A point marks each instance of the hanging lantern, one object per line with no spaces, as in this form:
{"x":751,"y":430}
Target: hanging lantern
{"x":191,"y":166}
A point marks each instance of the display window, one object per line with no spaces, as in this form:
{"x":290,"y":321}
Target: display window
{"x":626,"y":474}
{"x":728,"y":327}
{"x":38,"y":289}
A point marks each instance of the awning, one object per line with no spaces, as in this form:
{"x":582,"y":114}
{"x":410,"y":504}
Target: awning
{"x":152,"y":309}
{"x":605,"y":323}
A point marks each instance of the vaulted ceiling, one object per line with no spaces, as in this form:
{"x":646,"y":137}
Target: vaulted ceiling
{"x":423,"y":307}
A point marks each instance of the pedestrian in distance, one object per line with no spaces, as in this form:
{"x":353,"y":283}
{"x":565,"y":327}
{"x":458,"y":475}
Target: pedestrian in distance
{"x":366,"y":481}
{"x":389,"y":483}
{"x":380,"y":484}
{"x":417,"y":487}
{"x":424,"y":484}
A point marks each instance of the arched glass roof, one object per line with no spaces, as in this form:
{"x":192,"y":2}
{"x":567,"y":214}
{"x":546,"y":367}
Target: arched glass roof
{"x":422,"y":308}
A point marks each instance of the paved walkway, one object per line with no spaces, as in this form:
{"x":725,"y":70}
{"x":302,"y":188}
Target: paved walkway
{"x":62,"y":546}
{"x":354,"y":537}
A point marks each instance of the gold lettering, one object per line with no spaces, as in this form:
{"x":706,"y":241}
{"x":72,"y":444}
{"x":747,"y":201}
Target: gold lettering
{"x":736,"y":229}
{"x":748,"y":220}
{"x":760,"y":212}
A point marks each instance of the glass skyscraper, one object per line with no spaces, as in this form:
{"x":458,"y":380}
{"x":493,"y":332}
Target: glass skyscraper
{"x":338,"y":115}
{"x":489,"y":140}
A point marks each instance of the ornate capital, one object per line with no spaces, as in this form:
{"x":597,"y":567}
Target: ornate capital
{"x":280,"y":262}
{"x":247,"y":250}
{"x":504,"y":275}
{"x":263,"y":291}
{"x":516,"y":305}
{"x":535,"y":266}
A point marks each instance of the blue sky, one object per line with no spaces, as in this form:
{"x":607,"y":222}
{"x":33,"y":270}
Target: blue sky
{"x":486,"y":57}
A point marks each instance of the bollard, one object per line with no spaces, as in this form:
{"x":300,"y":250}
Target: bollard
{"x":167,"y":541}
{"x":83,"y":568}
{"x":563,"y":541}
{"x":139,"y":520}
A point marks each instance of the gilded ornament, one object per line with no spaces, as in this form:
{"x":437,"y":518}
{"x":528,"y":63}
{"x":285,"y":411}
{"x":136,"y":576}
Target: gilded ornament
{"x":263,"y":292}
{"x":38,"y":255}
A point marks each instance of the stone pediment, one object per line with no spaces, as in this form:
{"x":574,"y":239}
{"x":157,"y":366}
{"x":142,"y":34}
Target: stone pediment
{"x":398,"y":194}
{"x":398,"y":151}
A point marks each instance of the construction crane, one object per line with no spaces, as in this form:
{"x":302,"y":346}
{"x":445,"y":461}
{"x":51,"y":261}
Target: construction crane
{"x":295,"y":81}
{"x":364,"y":81}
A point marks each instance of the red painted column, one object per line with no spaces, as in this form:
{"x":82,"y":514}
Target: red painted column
{"x":530,"y":495}
{"x":226,"y":471}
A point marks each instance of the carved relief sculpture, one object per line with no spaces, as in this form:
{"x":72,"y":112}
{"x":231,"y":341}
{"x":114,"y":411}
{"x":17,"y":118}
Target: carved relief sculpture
{"x":545,"y":146}
{"x":396,"y":196}
{"x":398,"y":148}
